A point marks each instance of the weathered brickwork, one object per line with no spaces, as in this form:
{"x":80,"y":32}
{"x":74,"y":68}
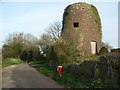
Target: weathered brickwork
{"x":81,"y":26}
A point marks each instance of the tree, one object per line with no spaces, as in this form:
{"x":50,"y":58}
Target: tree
{"x":62,"y":52}
{"x":54,"y":30}
{"x":13,"y":46}
{"x":51,"y":35}
{"x":103,"y":51}
{"x":30,"y":40}
{"x":57,"y":51}
{"x":17,"y":43}
{"x":45,"y":41}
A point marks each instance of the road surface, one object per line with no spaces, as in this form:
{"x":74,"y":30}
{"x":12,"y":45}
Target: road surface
{"x":23,"y":76}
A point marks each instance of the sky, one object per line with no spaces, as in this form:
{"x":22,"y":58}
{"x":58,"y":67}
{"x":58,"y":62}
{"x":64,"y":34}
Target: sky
{"x":35,"y":16}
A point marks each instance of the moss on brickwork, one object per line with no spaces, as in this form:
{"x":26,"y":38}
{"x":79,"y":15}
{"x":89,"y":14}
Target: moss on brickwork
{"x":97,"y":17}
{"x":88,"y":27}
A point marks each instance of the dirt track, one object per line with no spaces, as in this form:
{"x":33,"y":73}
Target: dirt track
{"x":23,"y":76}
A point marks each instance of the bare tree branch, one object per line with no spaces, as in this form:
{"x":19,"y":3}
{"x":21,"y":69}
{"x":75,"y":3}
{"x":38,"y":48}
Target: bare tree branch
{"x":54,"y":30}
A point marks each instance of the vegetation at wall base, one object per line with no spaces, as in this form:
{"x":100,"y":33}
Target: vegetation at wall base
{"x":88,"y":57}
{"x":45,"y":70}
{"x":43,"y":67}
{"x":71,"y":80}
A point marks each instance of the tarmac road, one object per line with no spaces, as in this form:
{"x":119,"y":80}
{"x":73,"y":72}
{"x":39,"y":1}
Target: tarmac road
{"x":23,"y":76}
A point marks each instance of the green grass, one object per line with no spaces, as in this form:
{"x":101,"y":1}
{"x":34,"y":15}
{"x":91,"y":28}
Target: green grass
{"x":74,"y":81}
{"x":35,"y":62}
{"x":10,"y":61}
{"x":43,"y":68}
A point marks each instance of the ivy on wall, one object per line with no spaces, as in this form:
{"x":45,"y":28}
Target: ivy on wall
{"x":95,"y":14}
{"x":96,"y":17}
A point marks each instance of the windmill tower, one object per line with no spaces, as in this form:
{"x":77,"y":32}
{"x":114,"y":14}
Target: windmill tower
{"x":82,"y":28}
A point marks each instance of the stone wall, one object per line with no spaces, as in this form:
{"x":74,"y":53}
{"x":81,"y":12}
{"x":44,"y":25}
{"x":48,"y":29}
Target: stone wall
{"x":106,"y":68}
{"x":85,"y":68}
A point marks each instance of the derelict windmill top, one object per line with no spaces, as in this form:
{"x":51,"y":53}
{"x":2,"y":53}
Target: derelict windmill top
{"x":82,"y":27}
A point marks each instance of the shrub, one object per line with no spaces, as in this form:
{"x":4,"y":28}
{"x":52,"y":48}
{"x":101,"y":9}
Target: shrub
{"x":103,"y":51}
{"x":62,"y":52}
{"x":10,"y":61}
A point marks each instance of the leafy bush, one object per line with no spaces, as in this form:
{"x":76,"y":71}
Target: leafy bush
{"x":88,"y":57}
{"x":103,"y":51}
{"x":62,"y":52}
{"x":16,"y":44}
{"x":96,"y":83}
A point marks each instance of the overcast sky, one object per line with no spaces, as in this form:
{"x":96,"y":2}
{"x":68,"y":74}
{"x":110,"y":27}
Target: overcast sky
{"x":35,"y":17}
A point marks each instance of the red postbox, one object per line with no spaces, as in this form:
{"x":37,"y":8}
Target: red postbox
{"x":59,"y":70}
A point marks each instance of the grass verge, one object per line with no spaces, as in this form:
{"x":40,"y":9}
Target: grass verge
{"x":67,"y":79}
{"x":71,"y":80}
{"x":43,"y":68}
{"x":10,"y":61}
